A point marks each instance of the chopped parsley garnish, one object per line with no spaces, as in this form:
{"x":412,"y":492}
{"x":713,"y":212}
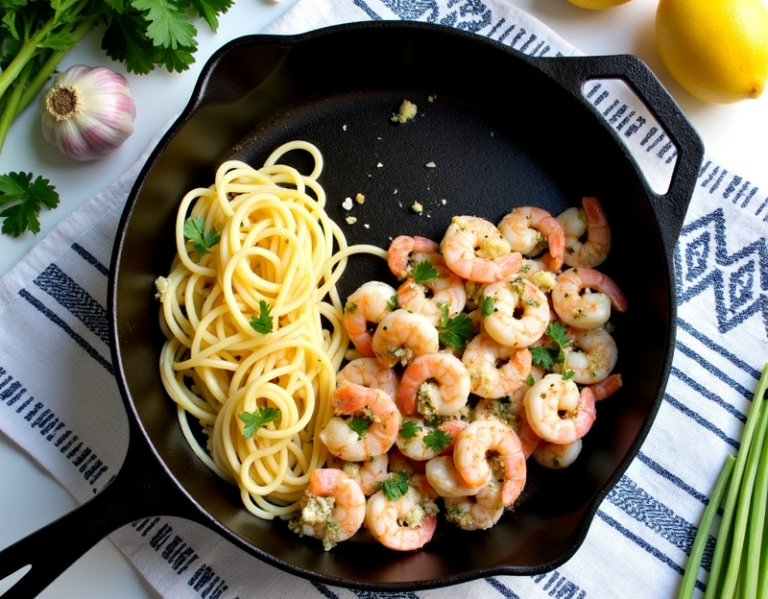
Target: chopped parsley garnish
{"x":395,"y":488}
{"x":546,"y":356}
{"x":350,"y":308}
{"x":392,"y":303}
{"x":263,"y":322}
{"x":455,"y":332}
{"x":255,"y":420}
{"x":202,"y":240}
{"x":409,"y":429}
{"x":488,"y":306}
{"x":359,"y":425}
{"x":22,"y":199}
{"x":437,"y":439}
{"x":424,"y":272}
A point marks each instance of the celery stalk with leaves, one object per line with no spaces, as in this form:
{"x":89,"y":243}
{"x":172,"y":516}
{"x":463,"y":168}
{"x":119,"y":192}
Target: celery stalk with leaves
{"x":35,"y":35}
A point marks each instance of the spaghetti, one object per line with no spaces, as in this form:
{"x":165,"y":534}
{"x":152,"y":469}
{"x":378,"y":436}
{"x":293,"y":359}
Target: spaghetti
{"x":255,"y":325}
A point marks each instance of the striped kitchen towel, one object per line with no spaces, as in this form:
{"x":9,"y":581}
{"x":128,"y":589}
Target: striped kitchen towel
{"x":56,"y":378}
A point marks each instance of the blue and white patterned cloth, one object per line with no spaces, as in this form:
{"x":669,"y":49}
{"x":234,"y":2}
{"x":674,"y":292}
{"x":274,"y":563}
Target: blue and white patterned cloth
{"x":639,"y":541}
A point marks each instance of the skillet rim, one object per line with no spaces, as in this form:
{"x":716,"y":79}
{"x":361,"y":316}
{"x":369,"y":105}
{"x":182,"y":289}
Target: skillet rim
{"x":197,"y":98}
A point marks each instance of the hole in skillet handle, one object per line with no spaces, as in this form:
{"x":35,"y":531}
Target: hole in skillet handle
{"x":595,"y":78}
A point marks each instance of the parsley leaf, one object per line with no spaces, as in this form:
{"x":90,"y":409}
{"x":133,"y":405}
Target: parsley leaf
{"x":168,"y":26}
{"x":409,"y":429}
{"x":263,"y":322}
{"x":392,"y":303}
{"x":255,"y":420}
{"x":22,"y":199}
{"x":424,"y":272}
{"x":455,"y":332}
{"x":359,"y":425}
{"x":395,"y":488}
{"x":202,"y":240}
{"x":487,"y":306}
{"x":437,"y":439}
{"x":546,"y":356}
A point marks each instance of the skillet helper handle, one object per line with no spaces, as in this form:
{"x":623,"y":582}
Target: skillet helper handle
{"x":671,"y":207}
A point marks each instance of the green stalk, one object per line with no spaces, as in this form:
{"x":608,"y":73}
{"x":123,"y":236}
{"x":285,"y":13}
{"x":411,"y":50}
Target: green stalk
{"x":743,"y":507}
{"x":12,"y":102}
{"x":724,"y":535}
{"x":756,"y":517}
{"x":702,"y":535}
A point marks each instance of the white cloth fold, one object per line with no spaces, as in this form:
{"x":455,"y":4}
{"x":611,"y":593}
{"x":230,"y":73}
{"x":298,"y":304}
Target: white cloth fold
{"x":53,"y":305}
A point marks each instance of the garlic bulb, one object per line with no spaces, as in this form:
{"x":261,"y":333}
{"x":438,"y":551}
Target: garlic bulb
{"x":88,"y":112}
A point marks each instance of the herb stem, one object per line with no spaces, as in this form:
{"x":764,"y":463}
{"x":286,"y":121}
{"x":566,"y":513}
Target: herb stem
{"x":11,"y":104}
{"x":702,"y":535}
{"x":716,"y":587}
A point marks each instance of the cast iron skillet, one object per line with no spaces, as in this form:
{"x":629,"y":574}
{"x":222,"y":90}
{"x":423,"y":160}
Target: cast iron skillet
{"x":542,"y":144}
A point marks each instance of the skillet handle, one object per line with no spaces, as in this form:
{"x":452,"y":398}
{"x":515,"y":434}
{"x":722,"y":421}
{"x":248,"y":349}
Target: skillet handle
{"x":136,"y":492}
{"x":670,"y":208}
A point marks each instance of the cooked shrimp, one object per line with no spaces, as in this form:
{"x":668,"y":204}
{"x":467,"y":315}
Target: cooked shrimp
{"x":405,"y":251}
{"x":577,"y":306}
{"x":402,"y":336}
{"x":515,"y":313}
{"x":557,"y":411}
{"x":607,"y":387}
{"x":482,"y":437}
{"x":474,"y":249}
{"x":368,"y":473}
{"x":365,"y":308}
{"x":418,"y":441}
{"x":537,"y":273}
{"x":333,"y":508}
{"x":369,"y":372}
{"x":405,"y":524}
{"x":445,"y":479}
{"x":529,"y":230}
{"x":435,"y":384}
{"x":495,"y":370}
{"x":592,"y":355}
{"x":589,"y":220}
{"x":477,"y":512}
{"x":556,"y":456}
{"x":431,"y":295}
{"x":380,"y":422}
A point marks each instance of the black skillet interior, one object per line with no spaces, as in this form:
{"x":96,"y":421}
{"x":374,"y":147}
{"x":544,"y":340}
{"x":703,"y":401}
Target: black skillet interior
{"x":491,"y":150}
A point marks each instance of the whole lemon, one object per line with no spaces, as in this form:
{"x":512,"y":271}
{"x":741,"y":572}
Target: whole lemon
{"x":597,"y":4}
{"x":715,"y":49}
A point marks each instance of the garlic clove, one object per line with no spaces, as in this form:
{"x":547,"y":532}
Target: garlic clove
{"x":88,"y":112}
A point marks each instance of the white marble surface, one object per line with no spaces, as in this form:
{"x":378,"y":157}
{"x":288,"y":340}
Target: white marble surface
{"x":734,"y":134}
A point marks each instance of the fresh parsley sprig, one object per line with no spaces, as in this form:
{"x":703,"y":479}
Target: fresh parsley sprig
{"x":437,"y":439}
{"x":546,"y":356}
{"x":21,"y":199}
{"x":395,"y":486}
{"x":264,"y":321}
{"x":202,"y":240}
{"x":253,"y":421}
{"x":455,"y":332}
{"x":36,"y":36}
{"x":359,"y":425}
{"x":424,"y":272}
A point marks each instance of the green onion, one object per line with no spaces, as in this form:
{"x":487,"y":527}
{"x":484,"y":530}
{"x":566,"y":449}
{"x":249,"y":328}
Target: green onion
{"x":702,"y":535}
{"x":741,"y":546}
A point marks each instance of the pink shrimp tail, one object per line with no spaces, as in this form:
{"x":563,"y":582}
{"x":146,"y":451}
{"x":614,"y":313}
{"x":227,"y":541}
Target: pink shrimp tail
{"x":453,"y":428}
{"x":516,"y":471}
{"x":596,"y":280}
{"x":353,"y":397}
{"x":607,"y":387}
{"x":587,"y":412}
{"x":594,"y":211}
{"x":323,"y":481}
{"x":417,"y":537}
{"x":555,"y":235}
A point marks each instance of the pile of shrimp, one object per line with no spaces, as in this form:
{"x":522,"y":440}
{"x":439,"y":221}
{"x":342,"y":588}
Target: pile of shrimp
{"x":490,"y":401}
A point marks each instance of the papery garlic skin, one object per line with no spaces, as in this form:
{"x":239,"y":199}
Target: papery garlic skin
{"x":88,"y":112}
